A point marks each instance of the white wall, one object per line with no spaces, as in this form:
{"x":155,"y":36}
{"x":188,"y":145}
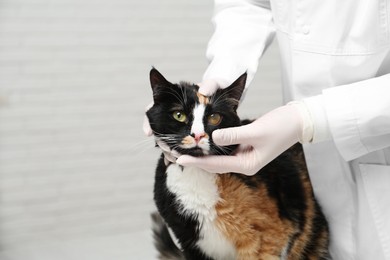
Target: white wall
{"x":76,"y":172}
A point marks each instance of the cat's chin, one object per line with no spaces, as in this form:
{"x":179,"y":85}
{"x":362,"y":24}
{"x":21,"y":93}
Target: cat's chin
{"x":196,"y":152}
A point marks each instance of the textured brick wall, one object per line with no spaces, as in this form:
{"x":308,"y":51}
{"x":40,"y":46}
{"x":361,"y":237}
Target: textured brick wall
{"x":73,"y":85}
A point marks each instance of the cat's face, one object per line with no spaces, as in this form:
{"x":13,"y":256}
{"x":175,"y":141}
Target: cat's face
{"x":184,"y":119}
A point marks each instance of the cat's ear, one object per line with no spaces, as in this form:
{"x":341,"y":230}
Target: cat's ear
{"x":236,"y":89}
{"x":157,"y":80}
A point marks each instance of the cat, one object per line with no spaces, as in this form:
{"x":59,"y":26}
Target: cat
{"x":271,"y":215}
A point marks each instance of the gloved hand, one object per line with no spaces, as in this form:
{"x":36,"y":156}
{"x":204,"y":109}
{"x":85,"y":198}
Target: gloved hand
{"x":208,"y":86}
{"x":260,"y":142}
{"x":146,"y":125}
{"x":170,"y":156}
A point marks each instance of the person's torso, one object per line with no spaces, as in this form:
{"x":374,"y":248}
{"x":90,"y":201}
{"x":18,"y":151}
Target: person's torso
{"x":327,"y":44}
{"x":331,"y":43}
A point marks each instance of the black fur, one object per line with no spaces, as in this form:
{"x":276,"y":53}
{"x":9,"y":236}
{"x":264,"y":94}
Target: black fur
{"x":169,"y":97}
{"x":163,"y":241}
{"x":281,"y":177}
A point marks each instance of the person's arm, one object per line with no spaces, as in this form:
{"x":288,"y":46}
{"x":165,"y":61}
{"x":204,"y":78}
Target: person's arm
{"x":243,"y":31}
{"x":356,"y":116}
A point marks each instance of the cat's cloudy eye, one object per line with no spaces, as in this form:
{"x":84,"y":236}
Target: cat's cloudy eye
{"x":179,"y":116}
{"x":214,"y":119}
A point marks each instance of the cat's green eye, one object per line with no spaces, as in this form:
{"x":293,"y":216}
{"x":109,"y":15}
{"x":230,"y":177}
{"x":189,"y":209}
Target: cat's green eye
{"x":179,"y":116}
{"x":214,"y":119}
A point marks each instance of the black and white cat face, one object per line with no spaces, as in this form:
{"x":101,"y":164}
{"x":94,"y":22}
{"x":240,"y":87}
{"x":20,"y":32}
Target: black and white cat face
{"x":184,"y":119}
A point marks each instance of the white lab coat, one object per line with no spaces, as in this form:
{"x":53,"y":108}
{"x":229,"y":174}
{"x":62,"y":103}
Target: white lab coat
{"x":339,"y":49}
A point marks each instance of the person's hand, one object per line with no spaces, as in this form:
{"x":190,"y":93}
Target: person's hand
{"x":208,"y":86}
{"x":170,"y":156}
{"x":146,"y":125}
{"x":260,"y":142}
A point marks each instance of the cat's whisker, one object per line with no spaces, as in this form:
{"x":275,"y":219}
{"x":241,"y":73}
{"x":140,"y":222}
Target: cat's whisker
{"x":169,"y":140}
{"x":141,"y":143}
{"x":164,"y":134}
{"x":138,"y":147}
{"x":221,"y":97}
{"x":220,"y":150}
{"x":144,"y":150}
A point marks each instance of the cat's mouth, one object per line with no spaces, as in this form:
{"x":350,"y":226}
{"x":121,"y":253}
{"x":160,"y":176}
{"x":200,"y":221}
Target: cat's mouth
{"x":195,"y":151}
{"x":189,"y":146}
{"x":194,"y":145}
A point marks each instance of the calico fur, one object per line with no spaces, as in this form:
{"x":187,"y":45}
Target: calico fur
{"x":271,"y":215}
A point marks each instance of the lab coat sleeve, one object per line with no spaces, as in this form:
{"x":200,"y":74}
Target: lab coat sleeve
{"x":358,"y":116}
{"x":243,"y":30}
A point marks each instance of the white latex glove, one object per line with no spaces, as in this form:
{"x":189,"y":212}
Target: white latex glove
{"x":208,"y":86}
{"x":146,"y":125}
{"x":170,"y":156}
{"x":260,"y":142}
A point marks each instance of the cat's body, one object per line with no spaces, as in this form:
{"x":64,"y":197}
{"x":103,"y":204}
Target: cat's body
{"x":271,"y":215}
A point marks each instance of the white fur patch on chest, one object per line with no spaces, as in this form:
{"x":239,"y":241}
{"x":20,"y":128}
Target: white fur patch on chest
{"x":197,"y":193}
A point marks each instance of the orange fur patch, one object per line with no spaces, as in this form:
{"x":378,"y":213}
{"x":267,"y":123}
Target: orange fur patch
{"x":298,"y":247}
{"x":302,"y":241}
{"x":250,"y":219}
{"x":188,"y":140}
{"x":202,"y":99}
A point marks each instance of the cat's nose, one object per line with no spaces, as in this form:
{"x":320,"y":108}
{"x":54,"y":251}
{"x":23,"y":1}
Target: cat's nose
{"x":198,"y":136}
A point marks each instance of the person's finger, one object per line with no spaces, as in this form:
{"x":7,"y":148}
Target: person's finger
{"x":166,"y":161}
{"x":146,"y":125}
{"x":213,"y":164}
{"x":163,"y":146}
{"x":208,"y":87}
{"x":234,"y":135}
{"x":168,"y":157}
{"x":175,"y":153}
{"x":220,"y":164}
